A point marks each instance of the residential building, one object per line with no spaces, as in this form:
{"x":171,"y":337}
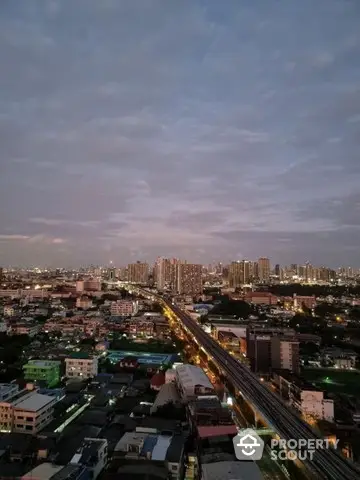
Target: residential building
{"x":88,"y":285}
{"x":84,"y":302}
{"x":258,"y":346}
{"x":240,"y":273}
{"x":162,"y":454}
{"x":300,"y":300}
{"x":33,"y":413}
{"x":138,"y":273}
{"x":285,"y":353}
{"x":160,"y":272}
{"x":344,"y":359}
{"x":47,"y":371}
{"x":81,"y":365}
{"x":22,"y":328}
{"x":261,"y":298}
{"x":26,"y":411}
{"x":124,"y":308}
{"x":189,"y":278}
{"x":310,"y":401}
{"x":49,"y":471}
{"x":264,"y":269}
{"x":8,"y":390}
{"x":208,"y":412}
{"x":141,"y":327}
{"x":261,"y":343}
{"x":93,"y":454}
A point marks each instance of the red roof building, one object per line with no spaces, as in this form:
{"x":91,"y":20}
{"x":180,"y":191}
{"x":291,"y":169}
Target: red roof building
{"x":157,"y":381}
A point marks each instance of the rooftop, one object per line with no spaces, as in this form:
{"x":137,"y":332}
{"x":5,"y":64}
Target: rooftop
{"x":80,"y":356}
{"x":7,"y":387}
{"x":167,"y":393}
{"x":34,"y":402}
{"x":42,"y":363}
{"x":191,"y":375}
{"x":230,"y":470}
{"x":87,"y":450}
{"x":216,"y":431}
{"x":44,"y":471}
{"x":150,"y":445}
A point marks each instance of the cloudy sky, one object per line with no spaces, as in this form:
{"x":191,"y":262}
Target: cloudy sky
{"x":204,"y":129}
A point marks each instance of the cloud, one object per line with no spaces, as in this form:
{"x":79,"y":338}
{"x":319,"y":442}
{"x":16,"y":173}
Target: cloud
{"x":32,"y":239}
{"x":13,"y":237}
{"x":62,"y":222}
{"x":124,"y":138}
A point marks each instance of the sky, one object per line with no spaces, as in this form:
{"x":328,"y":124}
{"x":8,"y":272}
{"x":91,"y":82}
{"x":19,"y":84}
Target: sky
{"x":205,"y":130}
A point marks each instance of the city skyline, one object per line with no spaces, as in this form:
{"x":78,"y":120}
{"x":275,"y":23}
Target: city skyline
{"x":200,"y":130}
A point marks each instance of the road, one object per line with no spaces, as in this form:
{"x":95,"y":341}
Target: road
{"x":326,"y":464}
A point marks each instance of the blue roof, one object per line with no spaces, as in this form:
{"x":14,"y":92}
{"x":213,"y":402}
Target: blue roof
{"x":149,"y":444}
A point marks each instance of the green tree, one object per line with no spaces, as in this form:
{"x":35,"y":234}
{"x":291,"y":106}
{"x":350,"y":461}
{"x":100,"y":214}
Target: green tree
{"x":171,"y":412}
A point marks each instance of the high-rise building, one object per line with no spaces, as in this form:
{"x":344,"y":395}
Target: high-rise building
{"x":111,"y":274}
{"x":160,"y":272}
{"x":165,"y":273}
{"x":285,"y":353}
{"x":264,"y":269}
{"x":188,"y":278}
{"x":309,"y":272}
{"x":272,"y":348}
{"x":240,"y":273}
{"x":138,"y":272}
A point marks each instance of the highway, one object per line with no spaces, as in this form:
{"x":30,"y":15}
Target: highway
{"x":326,"y":464}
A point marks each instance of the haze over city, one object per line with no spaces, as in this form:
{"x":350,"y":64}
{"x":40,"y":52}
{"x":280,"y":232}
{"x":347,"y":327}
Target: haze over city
{"x":203,"y":130}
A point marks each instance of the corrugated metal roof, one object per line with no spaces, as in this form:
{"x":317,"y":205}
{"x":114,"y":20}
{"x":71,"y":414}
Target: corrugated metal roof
{"x":191,"y":375}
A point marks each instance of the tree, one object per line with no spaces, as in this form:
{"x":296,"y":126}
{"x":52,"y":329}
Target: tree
{"x":110,"y":297}
{"x":156,"y":307}
{"x":236,"y":308}
{"x":171,"y":412}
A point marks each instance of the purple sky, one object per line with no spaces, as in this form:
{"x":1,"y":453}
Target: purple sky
{"x":208,"y":130}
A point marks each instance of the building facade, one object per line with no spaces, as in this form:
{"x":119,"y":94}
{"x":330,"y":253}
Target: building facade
{"x":81,"y":366}
{"x":47,"y":371}
{"x":189,"y":278}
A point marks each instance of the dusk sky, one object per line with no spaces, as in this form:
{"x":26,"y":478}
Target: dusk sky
{"x":206,"y":130}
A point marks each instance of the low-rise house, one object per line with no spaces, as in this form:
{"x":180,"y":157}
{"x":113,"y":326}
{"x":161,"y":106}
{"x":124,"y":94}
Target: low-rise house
{"x":81,"y":365}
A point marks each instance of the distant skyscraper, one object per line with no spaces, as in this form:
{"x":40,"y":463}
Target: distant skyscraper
{"x":138,"y":272}
{"x":264,"y":269}
{"x":160,"y":272}
{"x":188,"y":278}
{"x":277,"y":270}
{"x":240,"y":273}
{"x":111,"y":274}
{"x":165,"y":273}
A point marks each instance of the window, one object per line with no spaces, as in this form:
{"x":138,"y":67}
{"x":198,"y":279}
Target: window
{"x":28,"y":427}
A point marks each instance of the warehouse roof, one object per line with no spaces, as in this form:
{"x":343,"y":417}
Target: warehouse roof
{"x":190,"y":375}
